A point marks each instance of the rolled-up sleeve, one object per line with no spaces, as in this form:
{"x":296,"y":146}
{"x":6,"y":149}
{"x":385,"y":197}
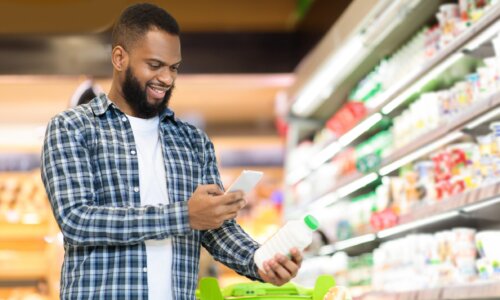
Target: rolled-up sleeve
{"x":229,"y":244}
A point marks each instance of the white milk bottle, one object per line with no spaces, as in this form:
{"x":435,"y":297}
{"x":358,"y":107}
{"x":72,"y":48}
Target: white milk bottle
{"x":294,"y":234}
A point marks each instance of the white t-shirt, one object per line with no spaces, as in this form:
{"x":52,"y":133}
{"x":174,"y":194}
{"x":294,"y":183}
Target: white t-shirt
{"x":153,"y":188}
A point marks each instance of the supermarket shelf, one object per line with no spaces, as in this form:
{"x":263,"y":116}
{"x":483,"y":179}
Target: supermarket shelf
{"x":382,"y":32}
{"x":428,"y":142}
{"x":454,"y":47}
{"x":345,"y":180}
{"x":480,"y":290}
{"x":403,"y":89}
{"x":346,"y":186}
{"x":477,"y":291}
{"x":462,"y":203}
{"x":470,"y":204}
{"x":462,"y":121}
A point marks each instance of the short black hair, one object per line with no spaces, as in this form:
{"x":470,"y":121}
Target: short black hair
{"x":136,"y":20}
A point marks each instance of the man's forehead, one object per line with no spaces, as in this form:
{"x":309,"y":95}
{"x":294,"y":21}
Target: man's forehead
{"x":159,"y":42}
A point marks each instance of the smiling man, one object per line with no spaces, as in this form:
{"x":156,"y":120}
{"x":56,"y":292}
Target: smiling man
{"x":136,"y":191}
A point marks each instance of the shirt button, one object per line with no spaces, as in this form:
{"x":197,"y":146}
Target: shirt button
{"x":133,"y":152}
{"x":136,"y":189}
{"x":124,"y":119}
{"x":144,"y":269}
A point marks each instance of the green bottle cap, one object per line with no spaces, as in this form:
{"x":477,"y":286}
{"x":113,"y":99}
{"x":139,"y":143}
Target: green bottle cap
{"x":311,"y":222}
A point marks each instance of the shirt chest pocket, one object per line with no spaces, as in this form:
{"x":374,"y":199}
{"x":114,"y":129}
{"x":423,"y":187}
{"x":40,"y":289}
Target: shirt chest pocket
{"x":113,"y":172}
{"x":184,"y":169}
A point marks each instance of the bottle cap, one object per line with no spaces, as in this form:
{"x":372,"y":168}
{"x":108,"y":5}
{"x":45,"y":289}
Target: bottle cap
{"x":311,"y":222}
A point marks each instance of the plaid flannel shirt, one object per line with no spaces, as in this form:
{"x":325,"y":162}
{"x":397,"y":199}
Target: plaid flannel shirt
{"x":90,"y":172}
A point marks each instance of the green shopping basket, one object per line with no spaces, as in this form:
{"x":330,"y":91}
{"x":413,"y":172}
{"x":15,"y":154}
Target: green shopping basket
{"x":209,"y":289}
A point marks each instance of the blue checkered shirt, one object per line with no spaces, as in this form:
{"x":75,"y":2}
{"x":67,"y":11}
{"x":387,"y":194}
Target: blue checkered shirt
{"x":90,"y":172}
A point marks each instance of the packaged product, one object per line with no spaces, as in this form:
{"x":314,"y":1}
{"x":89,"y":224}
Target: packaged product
{"x":464,"y":253}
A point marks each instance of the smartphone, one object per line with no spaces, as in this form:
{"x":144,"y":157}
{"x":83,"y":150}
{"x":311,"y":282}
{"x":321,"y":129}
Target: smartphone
{"x":246,"y":181}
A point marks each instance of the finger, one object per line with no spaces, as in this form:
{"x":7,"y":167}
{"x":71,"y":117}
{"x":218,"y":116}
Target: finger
{"x":288,"y":264}
{"x":233,"y":210}
{"x":212,"y":189}
{"x":230,"y":197}
{"x":237,"y":196}
{"x":235,"y":206}
{"x":296,"y":256}
{"x":280,"y":271}
{"x":272,"y":277}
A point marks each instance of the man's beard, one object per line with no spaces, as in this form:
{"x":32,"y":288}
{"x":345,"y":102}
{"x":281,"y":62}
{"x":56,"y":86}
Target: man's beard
{"x":136,"y":97}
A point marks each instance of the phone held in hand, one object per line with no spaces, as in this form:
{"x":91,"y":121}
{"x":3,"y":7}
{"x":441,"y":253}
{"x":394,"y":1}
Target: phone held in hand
{"x":246,"y":181}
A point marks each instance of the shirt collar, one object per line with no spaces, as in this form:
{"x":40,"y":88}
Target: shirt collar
{"x":167,"y":113}
{"x":101,"y":104}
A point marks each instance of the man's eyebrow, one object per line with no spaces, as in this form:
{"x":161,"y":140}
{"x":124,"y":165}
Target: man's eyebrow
{"x":162,"y":62}
{"x":156,"y":61}
{"x":177,"y":63}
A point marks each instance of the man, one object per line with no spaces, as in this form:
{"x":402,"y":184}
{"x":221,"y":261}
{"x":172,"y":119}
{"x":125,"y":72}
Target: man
{"x":137,"y":191}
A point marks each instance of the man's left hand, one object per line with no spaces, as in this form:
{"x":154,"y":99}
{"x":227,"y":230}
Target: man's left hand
{"x":281,"y":268}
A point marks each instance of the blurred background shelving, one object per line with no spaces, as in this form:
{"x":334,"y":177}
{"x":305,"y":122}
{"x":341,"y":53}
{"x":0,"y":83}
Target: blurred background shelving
{"x":391,"y":144}
{"x":381,"y":118}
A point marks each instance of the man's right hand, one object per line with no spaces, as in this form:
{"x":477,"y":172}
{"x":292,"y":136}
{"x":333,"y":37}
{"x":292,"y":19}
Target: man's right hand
{"x":209,"y":207}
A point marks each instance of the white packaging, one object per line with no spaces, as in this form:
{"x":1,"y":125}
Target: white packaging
{"x":294,"y":234}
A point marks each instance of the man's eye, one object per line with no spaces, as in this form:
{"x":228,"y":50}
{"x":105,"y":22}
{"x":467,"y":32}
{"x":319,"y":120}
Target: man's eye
{"x":154,"y":66}
{"x":174,"y":68}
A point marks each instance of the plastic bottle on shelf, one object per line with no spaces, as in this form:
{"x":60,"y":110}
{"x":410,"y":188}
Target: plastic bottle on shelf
{"x":294,"y":234}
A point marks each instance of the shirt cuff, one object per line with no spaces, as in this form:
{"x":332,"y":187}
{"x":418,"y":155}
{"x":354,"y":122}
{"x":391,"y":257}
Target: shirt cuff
{"x":177,"y":219}
{"x":254,"y":270}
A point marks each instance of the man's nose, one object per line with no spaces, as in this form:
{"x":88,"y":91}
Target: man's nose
{"x":166,"y":77}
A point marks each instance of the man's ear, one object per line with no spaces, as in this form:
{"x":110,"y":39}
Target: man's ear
{"x":119,"y":58}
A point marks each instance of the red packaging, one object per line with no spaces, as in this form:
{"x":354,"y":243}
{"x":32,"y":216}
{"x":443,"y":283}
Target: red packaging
{"x":346,"y":117}
{"x":384,"y":219}
{"x":442,"y":166}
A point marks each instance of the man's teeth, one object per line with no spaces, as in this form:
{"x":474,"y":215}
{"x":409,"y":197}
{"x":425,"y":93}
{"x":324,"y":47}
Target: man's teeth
{"x":158,"y":89}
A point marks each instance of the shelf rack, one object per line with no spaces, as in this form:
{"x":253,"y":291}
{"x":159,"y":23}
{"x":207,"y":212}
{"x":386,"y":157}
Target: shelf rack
{"x":479,"y":113}
{"x":470,"y":205}
{"x":395,"y":95}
